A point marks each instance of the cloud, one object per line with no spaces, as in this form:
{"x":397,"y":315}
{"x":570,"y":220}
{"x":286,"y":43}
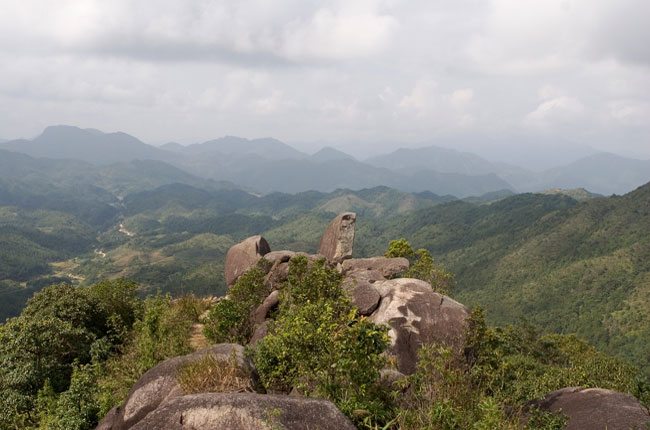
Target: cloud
{"x":246,"y":32}
{"x":365,"y":70}
{"x":621,"y":32}
{"x":460,"y":98}
{"x":554,"y":112}
{"x":422,"y":97}
{"x":630,"y":112}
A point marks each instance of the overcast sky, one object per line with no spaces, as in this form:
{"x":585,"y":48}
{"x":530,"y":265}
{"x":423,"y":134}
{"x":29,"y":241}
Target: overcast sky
{"x":362,"y":75}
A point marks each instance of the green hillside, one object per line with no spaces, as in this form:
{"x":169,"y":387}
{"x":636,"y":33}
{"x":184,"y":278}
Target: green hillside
{"x":567,"y":267}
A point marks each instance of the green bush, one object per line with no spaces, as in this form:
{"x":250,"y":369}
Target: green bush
{"x":61,"y":327}
{"x":230,"y":319}
{"x":161,"y":332}
{"x":422,"y":266}
{"x":517,"y":363}
{"x":319,"y":346}
{"x":502,"y":370}
{"x":74,"y":409}
{"x":75,"y":352}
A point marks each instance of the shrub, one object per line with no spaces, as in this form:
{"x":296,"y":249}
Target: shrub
{"x":230,"y":319}
{"x":444,"y":395}
{"x":502,"y":370}
{"x":161,"y":332}
{"x":516,"y":363}
{"x":75,"y":408}
{"x":422,"y":266}
{"x":118,"y":302}
{"x":319,"y":346}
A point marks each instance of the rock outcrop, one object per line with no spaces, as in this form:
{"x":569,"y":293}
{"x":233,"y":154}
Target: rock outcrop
{"x":245,"y":411}
{"x":338,"y":239}
{"x":596,"y":409}
{"x":386,"y":266}
{"x":413,"y":312}
{"x":159,"y":385}
{"x":417,"y":315}
{"x":243,"y":256}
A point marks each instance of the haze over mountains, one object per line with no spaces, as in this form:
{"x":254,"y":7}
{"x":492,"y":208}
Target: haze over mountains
{"x":267,"y":165}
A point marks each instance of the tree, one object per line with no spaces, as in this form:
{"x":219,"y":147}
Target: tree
{"x":422,"y":266}
{"x":61,"y":327}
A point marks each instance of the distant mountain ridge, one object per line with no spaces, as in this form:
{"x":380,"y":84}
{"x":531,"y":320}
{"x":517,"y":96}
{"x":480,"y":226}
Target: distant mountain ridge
{"x":269,"y":165}
{"x":443,"y":160}
{"x":330,"y":154}
{"x":267,"y":147}
{"x":602,"y":173}
{"x":93,"y":146}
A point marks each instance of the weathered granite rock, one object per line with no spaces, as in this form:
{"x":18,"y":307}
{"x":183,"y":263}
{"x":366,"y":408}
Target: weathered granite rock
{"x":109,"y":420}
{"x":417,"y":315}
{"x":277,"y":275}
{"x":386,"y":266}
{"x":243,"y":256}
{"x":283,"y":256}
{"x":596,"y":409}
{"x":263,"y":310}
{"x":158,"y":386}
{"x":260,"y":333}
{"x":362,"y":295}
{"x":366,"y":275}
{"x":245,"y":411}
{"x":338,"y":239}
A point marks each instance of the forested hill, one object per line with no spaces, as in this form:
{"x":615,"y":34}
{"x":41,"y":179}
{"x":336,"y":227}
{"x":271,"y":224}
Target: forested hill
{"x":567,"y":267}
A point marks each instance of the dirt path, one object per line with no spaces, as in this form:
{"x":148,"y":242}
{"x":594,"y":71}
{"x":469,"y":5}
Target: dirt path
{"x":125,"y":231}
{"x":198,"y":341}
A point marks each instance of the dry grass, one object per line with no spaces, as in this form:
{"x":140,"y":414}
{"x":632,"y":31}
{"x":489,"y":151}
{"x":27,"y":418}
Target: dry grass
{"x":211,"y":374}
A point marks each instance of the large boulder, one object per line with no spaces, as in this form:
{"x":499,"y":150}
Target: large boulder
{"x":338,"y":239}
{"x":596,"y":409}
{"x":243,"y":256}
{"x":362,"y":295}
{"x":366,"y":275}
{"x":159,"y":385}
{"x":416,"y":315}
{"x":278,"y":273}
{"x":386,"y":266}
{"x":282,"y":256}
{"x":245,"y":411}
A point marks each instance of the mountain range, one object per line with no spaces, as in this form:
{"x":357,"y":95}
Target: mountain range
{"x":267,"y":165}
{"x":569,"y":261}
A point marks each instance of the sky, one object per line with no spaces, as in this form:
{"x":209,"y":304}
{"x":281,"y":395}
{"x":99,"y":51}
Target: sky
{"x":366,"y":76}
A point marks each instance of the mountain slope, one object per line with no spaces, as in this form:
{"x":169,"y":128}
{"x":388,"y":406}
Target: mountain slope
{"x":569,"y":267}
{"x":267,"y":148}
{"x":330,"y":154}
{"x":93,"y":146}
{"x":602,"y":173}
{"x":442,"y":160}
{"x":263,"y":164}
